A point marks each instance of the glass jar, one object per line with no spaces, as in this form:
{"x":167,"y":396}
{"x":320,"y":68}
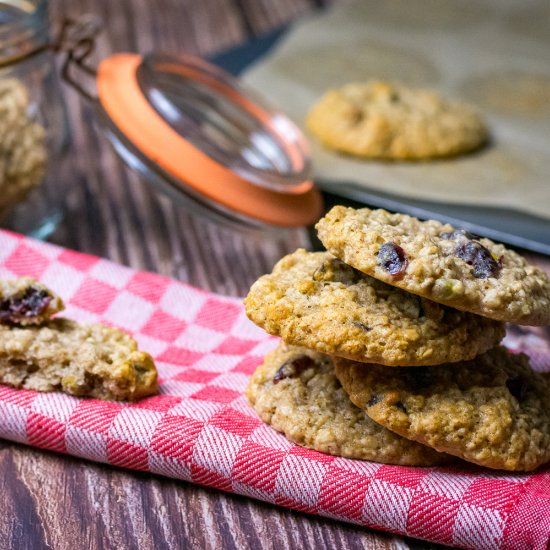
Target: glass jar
{"x":34,"y":136}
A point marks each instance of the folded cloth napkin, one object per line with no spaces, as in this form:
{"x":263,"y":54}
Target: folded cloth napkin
{"x":200,"y":427}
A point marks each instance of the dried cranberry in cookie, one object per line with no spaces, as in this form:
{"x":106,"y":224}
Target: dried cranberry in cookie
{"x":392,"y":258}
{"x":293,"y":367}
{"x":476,"y":255}
{"x":25,"y":301}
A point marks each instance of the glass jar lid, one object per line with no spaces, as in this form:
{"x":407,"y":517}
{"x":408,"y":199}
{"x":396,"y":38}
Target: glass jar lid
{"x":191,"y":128}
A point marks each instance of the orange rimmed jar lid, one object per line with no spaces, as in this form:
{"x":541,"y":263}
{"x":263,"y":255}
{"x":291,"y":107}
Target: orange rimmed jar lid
{"x":193,"y":131}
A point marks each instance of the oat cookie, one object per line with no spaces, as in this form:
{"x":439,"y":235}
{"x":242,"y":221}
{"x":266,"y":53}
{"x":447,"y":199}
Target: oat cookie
{"x":25,"y":301}
{"x":314,"y":300}
{"x":83,"y":360}
{"x":22,"y":148}
{"x":388,"y":121}
{"x":296,"y":391}
{"x":439,"y":262}
{"x":492,"y":410}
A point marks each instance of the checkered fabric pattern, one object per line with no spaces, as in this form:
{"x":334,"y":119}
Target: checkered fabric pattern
{"x":200,"y":427}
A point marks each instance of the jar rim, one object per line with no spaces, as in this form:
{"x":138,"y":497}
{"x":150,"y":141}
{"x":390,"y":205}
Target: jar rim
{"x":26,"y":32}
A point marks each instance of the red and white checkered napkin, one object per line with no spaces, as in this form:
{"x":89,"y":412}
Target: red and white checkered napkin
{"x":201,"y":428}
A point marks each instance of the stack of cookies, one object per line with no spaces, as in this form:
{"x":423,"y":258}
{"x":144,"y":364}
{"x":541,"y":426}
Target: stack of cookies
{"x":391,"y":348}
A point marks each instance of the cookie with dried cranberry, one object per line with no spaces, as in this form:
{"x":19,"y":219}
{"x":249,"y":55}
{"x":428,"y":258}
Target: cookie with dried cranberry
{"x":314,"y":300}
{"x":439,"y":262}
{"x":25,"y":301}
{"x":384,"y":120}
{"x":492,"y":411}
{"x":297,"y":393}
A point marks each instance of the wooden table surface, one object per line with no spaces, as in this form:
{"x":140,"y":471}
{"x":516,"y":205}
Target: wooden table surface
{"x":51,"y":501}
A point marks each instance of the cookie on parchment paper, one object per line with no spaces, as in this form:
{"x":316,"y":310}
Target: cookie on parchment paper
{"x":382,"y":120}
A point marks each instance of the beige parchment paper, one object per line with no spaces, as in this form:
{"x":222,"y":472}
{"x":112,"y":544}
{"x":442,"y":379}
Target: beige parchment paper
{"x":493,"y":53}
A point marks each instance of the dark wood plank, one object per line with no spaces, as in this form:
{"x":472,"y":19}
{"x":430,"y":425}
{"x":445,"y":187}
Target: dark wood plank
{"x":51,"y":501}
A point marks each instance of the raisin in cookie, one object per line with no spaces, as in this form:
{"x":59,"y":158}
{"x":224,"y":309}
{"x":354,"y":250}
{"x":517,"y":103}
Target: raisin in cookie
{"x":25,"y":301}
{"x":82,"y":360}
{"x":492,"y":411}
{"x":438,"y":262}
{"x":315,"y":300}
{"x":388,"y":121}
{"x":296,"y":391}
